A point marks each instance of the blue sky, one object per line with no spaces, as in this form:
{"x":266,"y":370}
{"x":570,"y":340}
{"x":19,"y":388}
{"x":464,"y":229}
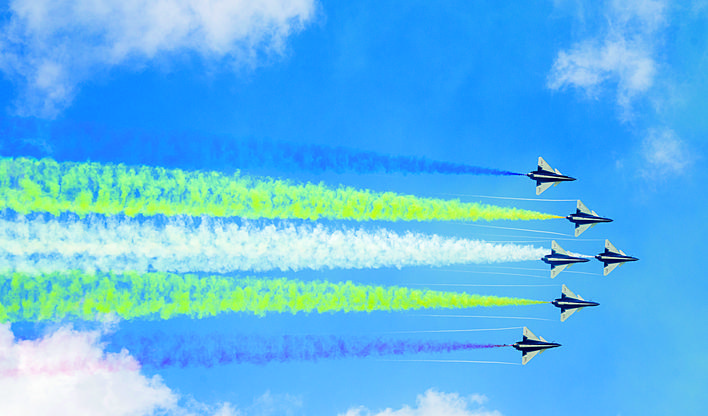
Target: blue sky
{"x":612,"y":93}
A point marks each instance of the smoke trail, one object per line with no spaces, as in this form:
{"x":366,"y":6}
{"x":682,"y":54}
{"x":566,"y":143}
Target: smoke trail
{"x":454,"y":361}
{"x":28,"y":185}
{"x":521,"y":229}
{"x":56,"y":296}
{"x":69,"y":367}
{"x":482,"y":316}
{"x":512,"y":198}
{"x":185,"y":244}
{"x":217,"y":152}
{"x":164,"y":350}
{"x":315,"y":158}
{"x":435,"y":331}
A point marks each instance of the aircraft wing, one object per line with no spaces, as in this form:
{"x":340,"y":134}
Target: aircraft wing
{"x":610,"y":247}
{"x":543,"y":165}
{"x":565,"y":314}
{"x":609,"y":267}
{"x":557,"y":269}
{"x":528,"y":334}
{"x":542,"y":186}
{"x":582,"y":208}
{"x":565,"y":291}
{"x":526,"y":357}
{"x":579,"y":229}
{"x":557,"y":248}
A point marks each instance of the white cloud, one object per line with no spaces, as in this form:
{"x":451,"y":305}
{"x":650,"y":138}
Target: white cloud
{"x":49,"y":47}
{"x":665,"y":153}
{"x":433,"y":403}
{"x":623,"y":55}
{"x":270,"y":404}
{"x":67,"y":373}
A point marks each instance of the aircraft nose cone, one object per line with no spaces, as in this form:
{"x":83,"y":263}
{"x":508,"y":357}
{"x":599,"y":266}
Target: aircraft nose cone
{"x":584,"y":260}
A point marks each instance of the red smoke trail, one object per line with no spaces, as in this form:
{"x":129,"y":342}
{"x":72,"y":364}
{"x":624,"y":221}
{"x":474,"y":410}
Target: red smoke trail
{"x":68,"y":367}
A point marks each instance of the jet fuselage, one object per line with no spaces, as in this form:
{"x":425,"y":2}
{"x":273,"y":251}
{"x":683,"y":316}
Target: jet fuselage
{"x":530,"y":345}
{"x":567,"y":302}
{"x":557,"y":259}
{"x":609,"y":258}
{"x":542,"y":176}
{"x":581,"y":218}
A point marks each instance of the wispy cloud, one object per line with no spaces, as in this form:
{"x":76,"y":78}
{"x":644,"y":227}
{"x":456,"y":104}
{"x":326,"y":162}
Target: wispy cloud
{"x":48,"y":47}
{"x":623,"y":55}
{"x":434,"y":403}
{"x":665,"y":153}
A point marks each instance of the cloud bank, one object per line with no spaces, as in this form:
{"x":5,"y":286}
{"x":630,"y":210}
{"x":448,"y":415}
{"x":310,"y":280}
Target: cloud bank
{"x":433,"y":403}
{"x":68,"y":373}
{"x":48,"y":47}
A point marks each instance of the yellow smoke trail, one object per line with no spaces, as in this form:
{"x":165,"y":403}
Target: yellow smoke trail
{"x":74,"y":294}
{"x":29,"y":185}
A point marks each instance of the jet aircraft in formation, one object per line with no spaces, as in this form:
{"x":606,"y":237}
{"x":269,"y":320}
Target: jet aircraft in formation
{"x":612,"y":257}
{"x":569,"y":302}
{"x":583,"y":218}
{"x":559,"y":259}
{"x":531,"y":345}
{"x":545,"y":176}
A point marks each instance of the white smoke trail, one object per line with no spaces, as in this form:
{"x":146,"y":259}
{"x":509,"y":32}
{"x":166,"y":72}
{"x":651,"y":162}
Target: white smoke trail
{"x":512,"y":198}
{"x":184,"y":244}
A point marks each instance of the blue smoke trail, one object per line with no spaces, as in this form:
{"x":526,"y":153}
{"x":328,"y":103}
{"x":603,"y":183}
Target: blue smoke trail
{"x":222,"y":153}
{"x":164,"y":350}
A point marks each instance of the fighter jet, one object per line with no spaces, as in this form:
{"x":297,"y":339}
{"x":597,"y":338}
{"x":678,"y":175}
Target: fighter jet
{"x":559,"y":259}
{"x":545,"y":176}
{"x":584,"y":218}
{"x":532,"y":345}
{"x":569,"y":302}
{"x":613,"y":257}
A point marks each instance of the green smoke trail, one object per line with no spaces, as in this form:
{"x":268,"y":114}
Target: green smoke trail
{"x":74,"y":294}
{"x":29,"y":185}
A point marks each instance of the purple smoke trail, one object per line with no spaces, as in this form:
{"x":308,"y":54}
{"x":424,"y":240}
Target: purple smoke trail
{"x":161,"y":350}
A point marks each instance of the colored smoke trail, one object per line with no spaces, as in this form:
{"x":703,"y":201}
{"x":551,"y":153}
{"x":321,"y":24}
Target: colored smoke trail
{"x":315,"y":158}
{"x":227,"y":153}
{"x":28,"y":185}
{"x":56,"y":296}
{"x":69,"y":367}
{"x":164,"y":350}
{"x":186,"y":244}
{"x":290,"y":157}
{"x":63,"y":352}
